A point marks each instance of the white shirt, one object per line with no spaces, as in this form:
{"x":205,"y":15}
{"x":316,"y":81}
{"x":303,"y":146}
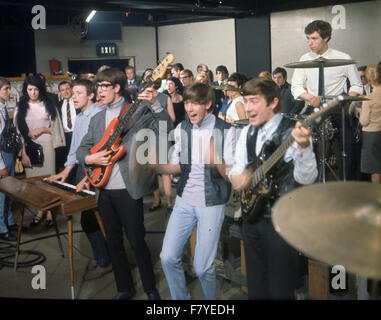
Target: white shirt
{"x":305,"y":167}
{"x":335,"y":78}
{"x":232,"y":113}
{"x":73,"y":115}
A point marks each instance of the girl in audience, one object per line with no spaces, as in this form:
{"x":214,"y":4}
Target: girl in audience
{"x":38,"y":120}
{"x":174,"y":86}
{"x":234,"y":109}
{"x":370,"y":119}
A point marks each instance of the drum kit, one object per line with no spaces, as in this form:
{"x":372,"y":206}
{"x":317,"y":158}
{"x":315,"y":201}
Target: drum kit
{"x":326,"y":131}
{"x":338,"y":223}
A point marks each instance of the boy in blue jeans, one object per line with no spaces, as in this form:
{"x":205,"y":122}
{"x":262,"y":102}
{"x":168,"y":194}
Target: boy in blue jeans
{"x":202,"y":191}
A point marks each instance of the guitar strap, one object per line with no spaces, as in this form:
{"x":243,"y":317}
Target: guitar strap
{"x":124,"y":110}
{"x":251,"y":143}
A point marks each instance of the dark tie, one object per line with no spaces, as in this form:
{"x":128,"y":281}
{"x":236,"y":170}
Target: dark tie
{"x":5,"y":113}
{"x":68,"y":115}
{"x":321,"y":82}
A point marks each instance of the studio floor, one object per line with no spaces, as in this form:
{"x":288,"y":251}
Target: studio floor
{"x":22,"y":283}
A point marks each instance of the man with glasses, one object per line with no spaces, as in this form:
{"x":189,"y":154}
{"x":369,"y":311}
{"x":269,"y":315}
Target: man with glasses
{"x":120,"y":202}
{"x":186,"y":77}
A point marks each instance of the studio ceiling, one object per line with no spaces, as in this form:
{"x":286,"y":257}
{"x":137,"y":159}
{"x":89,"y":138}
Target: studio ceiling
{"x":154,"y":12}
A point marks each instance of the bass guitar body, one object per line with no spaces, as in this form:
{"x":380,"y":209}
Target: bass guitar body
{"x":256,"y":199}
{"x":98,"y":176}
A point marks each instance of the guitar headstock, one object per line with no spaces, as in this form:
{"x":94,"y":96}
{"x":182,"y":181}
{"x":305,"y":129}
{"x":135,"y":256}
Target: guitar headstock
{"x":160,"y":70}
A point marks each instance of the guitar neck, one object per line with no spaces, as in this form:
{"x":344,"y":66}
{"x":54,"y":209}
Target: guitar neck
{"x":124,"y":119}
{"x":123,"y":122}
{"x":313,"y":119}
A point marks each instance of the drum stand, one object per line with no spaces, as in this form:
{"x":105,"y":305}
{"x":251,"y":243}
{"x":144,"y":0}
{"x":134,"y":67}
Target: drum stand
{"x":323,"y":160}
{"x":323,"y":134}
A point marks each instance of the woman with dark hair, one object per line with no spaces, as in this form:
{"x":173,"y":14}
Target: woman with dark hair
{"x":234,"y":108}
{"x":38,"y":120}
{"x":174,"y":87}
{"x":146,"y":77}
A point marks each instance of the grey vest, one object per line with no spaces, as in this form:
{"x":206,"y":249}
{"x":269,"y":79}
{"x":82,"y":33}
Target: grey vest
{"x":217,"y":189}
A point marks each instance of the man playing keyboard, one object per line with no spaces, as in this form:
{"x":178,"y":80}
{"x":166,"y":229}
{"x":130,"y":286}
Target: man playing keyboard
{"x":83,"y":96}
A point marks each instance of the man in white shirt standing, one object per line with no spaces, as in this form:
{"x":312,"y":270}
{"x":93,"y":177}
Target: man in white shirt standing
{"x":68,"y":116}
{"x":305,"y":82}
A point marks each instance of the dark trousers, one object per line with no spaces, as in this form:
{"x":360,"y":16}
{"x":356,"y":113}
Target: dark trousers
{"x":91,"y":227}
{"x":119,"y":211}
{"x":62,"y":152}
{"x":89,"y":222}
{"x":272,"y":266}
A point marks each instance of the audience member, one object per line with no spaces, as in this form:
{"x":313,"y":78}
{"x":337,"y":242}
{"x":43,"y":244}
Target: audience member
{"x":288,"y":103}
{"x":7,"y":223}
{"x":370,"y":119}
{"x":186,"y":77}
{"x":38,"y":121}
{"x":234,"y":109}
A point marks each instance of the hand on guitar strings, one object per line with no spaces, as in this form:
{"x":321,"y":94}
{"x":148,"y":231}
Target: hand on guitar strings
{"x":301,"y":135}
{"x":101,"y":158}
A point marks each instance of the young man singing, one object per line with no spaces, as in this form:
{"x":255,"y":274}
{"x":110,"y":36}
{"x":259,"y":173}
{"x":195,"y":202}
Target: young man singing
{"x":202,"y":191}
{"x":272,"y":265}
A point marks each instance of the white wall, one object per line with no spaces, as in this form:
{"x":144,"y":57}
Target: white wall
{"x":62,"y":43}
{"x":212,"y":43}
{"x":361,"y":38}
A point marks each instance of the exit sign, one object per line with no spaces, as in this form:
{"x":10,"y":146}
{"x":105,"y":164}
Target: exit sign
{"x":106,"y":49}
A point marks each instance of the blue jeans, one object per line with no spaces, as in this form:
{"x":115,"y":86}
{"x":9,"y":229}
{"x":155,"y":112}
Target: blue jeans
{"x":183,"y":219}
{"x":6,"y":217}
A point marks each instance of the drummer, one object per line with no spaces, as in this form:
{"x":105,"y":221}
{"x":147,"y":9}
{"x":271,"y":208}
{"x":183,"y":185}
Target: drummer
{"x":305,"y":82}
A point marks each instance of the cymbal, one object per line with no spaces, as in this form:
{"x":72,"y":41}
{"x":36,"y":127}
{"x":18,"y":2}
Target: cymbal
{"x":347,"y":98}
{"x":337,"y":223}
{"x":320,"y":62}
{"x":227,"y":87}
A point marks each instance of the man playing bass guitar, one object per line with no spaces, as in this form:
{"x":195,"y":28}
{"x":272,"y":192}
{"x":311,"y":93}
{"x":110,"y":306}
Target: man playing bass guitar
{"x":272,"y":265}
{"x":120,"y":202}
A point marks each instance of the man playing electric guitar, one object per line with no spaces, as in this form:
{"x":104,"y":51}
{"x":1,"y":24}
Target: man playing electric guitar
{"x":272,"y":265}
{"x":120,"y":203}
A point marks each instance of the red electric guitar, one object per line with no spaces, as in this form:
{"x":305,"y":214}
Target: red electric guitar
{"x":98,"y":176}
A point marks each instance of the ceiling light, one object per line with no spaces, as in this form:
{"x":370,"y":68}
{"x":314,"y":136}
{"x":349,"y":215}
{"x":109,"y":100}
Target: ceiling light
{"x":90,"y":16}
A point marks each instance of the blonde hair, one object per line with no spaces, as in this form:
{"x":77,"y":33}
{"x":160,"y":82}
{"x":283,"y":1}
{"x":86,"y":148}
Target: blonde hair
{"x":373,"y":74}
{"x":203,"y":78}
{"x":265,"y":74}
